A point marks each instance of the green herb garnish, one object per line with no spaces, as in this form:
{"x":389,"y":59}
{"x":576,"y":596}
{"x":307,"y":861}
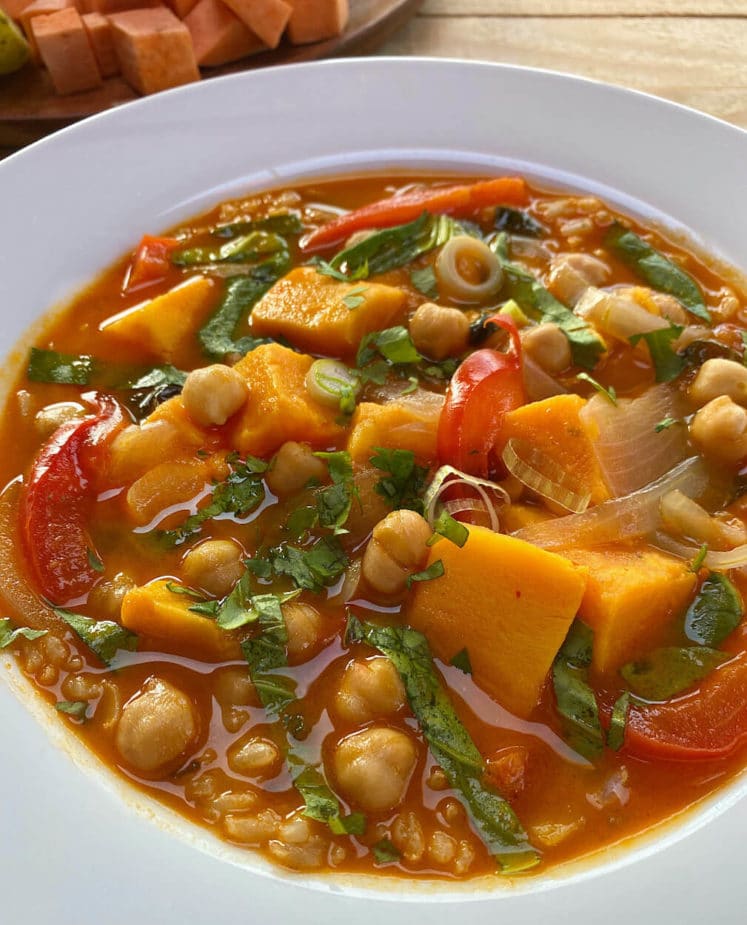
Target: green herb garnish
{"x":610,"y":394}
{"x":667,"y":364}
{"x":384,"y":852}
{"x":665,"y":424}
{"x":666,"y":672}
{"x":445,"y":525}
{"x":461,"y":661}
{"x":75,"y":708}
{"x":404,"y":483}
{"x":425,"y":281}
{"x":354,"y":298}
{"x":103,"y":637}
{"x":9,"y":634}
{"x":716,"y":611}
{"x":311,"y":568}
{"x":576,"y":702}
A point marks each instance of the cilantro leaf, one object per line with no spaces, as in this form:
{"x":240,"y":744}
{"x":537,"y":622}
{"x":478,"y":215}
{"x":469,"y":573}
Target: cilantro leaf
{"x":515,"y":221}
{"x":666,"y":672}
{"x":9,"y":634}
{"x":667,"y":364}
{"x":434,"y":570}
{"x":461,"y":661}
{"x":384,"y":852}
{"x":393,"y":344}
{"x":425,"y":281}
{"x":405,"y":482}
{"x":334,"y":502}
{"x":311,"y":568}
{"x":666,"y":423}
{"x":75,"y":708}
{"x":323,"y":805}
{"x":354,"y":298}
{"x":103,"y":637}
{"x":656,"y":269}
{"x":449,"y":742}
{"x":610,"y":394}
{"x":575,"y":699}
{"x":716,"y":611}
{"x":93,"y":560}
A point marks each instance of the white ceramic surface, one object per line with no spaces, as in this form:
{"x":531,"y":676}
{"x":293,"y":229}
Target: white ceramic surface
{"x":73,"y":849}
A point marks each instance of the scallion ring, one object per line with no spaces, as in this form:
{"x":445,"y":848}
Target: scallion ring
{"x":333,"y":383}
{"x":468,"y":270}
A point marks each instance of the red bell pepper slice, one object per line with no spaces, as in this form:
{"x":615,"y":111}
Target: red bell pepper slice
{"x":484,"y":387}
{"x":57,"y":500}
{"x":450,"y":200}
{"x":710,"y":723}
{"x":152,"y":260}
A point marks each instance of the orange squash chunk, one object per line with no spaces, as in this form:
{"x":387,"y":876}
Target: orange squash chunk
{"x":553,"y":427}
{"x":152,"y":610}
{"x":632,"y":595}
{"x":308,"y":309}
{"x":279,"y":408}
{"x":405,"y":425}
{"x":508,"y":602}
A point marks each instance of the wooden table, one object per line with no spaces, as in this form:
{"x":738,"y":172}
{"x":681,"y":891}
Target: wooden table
{"x":690,"y":51}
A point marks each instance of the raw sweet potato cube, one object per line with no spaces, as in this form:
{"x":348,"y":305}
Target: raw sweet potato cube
{"x":218,"y":35}
{"x":100,"y":36}
{"x":510,"y":604}
{"x":314,"y":20}
{"x":266,"y":18}
{"x":157,"y":612}
{"x":322,"y":315}
{"x":631,"y":597}
{"x":553,"y":427}
{"x":279,"y":408}
{"x":154,"y":49}
{"x":65,"y":50}
{"x":407,"y":424}
{"x":165,"y":325}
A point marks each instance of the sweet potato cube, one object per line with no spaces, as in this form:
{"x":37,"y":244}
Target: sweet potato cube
{"x":154,"y":611}
{"x":182,"y":7}
{"x":323,"y":315}
{"x":631,"y":597}
{"x":100,"y":36}
{"x":314,"y":20}
{"x":154,"y":49}
{"x":266,"y":18}
{"x":14,"y":8}
{"x":105,"y":7}
{"x":218,"y":35}
{"x":165,"y":325}
{"x":404,"y":424}
{"x":30,"y":11}
{"x":553,"y":427}
{"x":279,"y":408}
{"x":169,"y":483}
{"x":508,"y":602}
{"x":66,"y":52}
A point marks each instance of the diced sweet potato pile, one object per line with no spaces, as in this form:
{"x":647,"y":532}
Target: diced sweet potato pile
{"x":155,"y":46}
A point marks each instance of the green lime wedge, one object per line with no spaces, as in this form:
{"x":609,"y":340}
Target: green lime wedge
{"x":14,"y":49}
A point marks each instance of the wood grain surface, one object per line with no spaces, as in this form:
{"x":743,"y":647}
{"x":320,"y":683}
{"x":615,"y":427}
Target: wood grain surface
{"x":691,"y":51}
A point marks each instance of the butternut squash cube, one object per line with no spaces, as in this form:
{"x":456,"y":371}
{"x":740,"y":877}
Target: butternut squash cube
{"x":165,"y":325}
{"x":323,"y":315}
{"x":167,"y":484}
{"x":632,"y":595}
{"x":153,"y":610}
{"x":508,"y":602}
{"x":279,"y":407}
{"x":553,"y":427}
{"x":408,"y":424}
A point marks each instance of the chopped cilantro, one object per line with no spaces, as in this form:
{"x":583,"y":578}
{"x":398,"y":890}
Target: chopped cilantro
{"x":9,"y":634}
{"x":610,"y":394}
{"x":354,"y":298}
{"x":104,"y":637}
{"x":75,"y":708}
{"x":405,"y":482}
{"x":425,"y":281}
{"x":311,"y":568}
{"x":93,"y":560}
{"x":666,"y":423}
{"x":384,"y":852}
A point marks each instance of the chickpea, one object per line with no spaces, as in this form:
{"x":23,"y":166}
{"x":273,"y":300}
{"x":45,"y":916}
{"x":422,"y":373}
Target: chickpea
{"x":373,"y":767}
{"x":53,"y":416}
{"x":720,"y":430}
{"x":548,"y":346}
{"x":371,"y":688}
{"x":213,"y":394}
{"x":719,"y":377}
{"x":396,"y":550}
{"x":233,"y":687}
{"x":214,"y":565}
{"x":254,"y":756}
{"x":571,"y":274}
{"x":157,"y":726}
{"x":106,"y":598}
{"x":439,"y":332}
{"x":304,"y":625}
{"x":292,"y":467}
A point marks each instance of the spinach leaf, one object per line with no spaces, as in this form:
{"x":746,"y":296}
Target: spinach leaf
{"x":454,"y":531}
{"x":576,"y":702}
{"x":538,"y":303}
{"x":393,"y":344}
{"x":321,"y":803}
{"x":9,"y":634}
{"x":246,"y":248}
{"x":285,"y":223}
{"x":667,"y":364}
{"x":449,"y":742}
{"x":716,"y":611}
{"x":618,"y":719}
{"x":311,"y":568}
{"x":238,"y":494}
{"x":515,"y":221}
{"x":61,"y":368}
{"x":666,"y":672}
{"x":103,"y":637}
{"x":394,"y":247}
{"x":656,"y":269}
{"x":404,"y":485}
{"x":434,"y":570}
{"x":75,"y":708}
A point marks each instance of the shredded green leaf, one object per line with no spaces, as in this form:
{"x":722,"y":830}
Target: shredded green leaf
{"x":311,"y":568}
{"x":715,"y":613}
{"x":404,"y":484}
{"x":103,"y":637}
{"x":9,"y":634}
{"x":618,"y":720}
{"x":384,"y":852}
{"x":667,"y":364}
{"x":425,"y":281}
{"x":656,"y":269}
{"x":61,"y":368}
{"x":75,"y":708}
{"x":93,"y":560}
{"x":354,"y":298}
{"x":515,"y":221}
{"x":434,"y":570}
{"x":449,"y":742}
{"x":461,"y":661}
{"x":284,"y":223}
{"x":610,"y":394}
{"x":393,"y":344}
{"x":445,"y":525}
{"x":576,"y":702}
{"x":246,"y":248}
{"x":666,"y":423}
{"x":666,"y":672}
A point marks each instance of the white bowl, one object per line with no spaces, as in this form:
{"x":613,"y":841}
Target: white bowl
{"x":77,"y":844}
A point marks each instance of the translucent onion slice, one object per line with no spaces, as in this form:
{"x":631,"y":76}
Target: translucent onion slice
{"x":629,"y":450}
{"x":543,"y":475}
{"x":720,"y":561}
{"x":464,"y":504}
{"x":448,"y":477}
{"x":686,"y":518}
{"x":634,"y":515}
{"x":617,"y":315}
{"x":537,"y":382}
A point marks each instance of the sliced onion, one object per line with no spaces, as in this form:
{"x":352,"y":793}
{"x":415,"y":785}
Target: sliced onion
{"x":543,"y":475}
{"x":448,"y":477}
{"x":459,"y":506}
{"x":617,"y":315}
{"x":720,"y":561}
{"x":634,"y":515}
{"x":628,"y":448}
{"x":686,"y":518}
{"x":537,"y":382}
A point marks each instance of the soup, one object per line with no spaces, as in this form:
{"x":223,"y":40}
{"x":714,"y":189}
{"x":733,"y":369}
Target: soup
{"x":392,"y":524}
